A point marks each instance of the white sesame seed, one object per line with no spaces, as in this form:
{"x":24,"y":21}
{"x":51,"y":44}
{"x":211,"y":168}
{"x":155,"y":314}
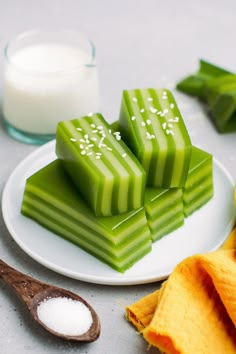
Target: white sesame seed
{"x":172,"y":105}
{"x":92,"y":125}
{"x":81,"y":146}
{"x":109,"y":131}
{"x":100,"y":127}
{"x":98,"y":153}
{"x":164,"y":97}
{"x":164,"y":125}
{"x":86,"y":136}
{"x":87,"y":141}
{"x":89,"y":153}
{"x":169,"y":132}
{"x":79,"y":129}
{"x":174,"y":120}
{"x":149,"y":122}
{"x":124,"y":154}
{"x":83,"y":152}
{"x":94,"y":131}
{"x":82,"y":140}
{"x":135,"y":99}
{"x":133,"y":118}
{"x":142,"y":110}
{"x":153,"y":110}
{"x":143,"y":124}
{"x":118,"y":137}
{"x":93,"y":138}
{"x":166,"y":110}
{"x":73,"y":139}
{"x":90,"y":114}
{"x":170,"y":125}
{"x":109,"y":149}
{"x":97,"y":157}
{"x":90,"y":145}
{"x":150,"y":99}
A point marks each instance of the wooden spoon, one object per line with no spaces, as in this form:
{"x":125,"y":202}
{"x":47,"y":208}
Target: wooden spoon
{"x":32,"y":292}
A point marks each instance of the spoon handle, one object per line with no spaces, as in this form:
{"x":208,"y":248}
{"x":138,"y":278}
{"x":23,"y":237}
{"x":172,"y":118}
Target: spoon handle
{"x":25,"y":286}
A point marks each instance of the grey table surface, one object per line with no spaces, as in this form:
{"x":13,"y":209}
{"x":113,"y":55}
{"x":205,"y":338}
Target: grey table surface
{"x":139,"y":43}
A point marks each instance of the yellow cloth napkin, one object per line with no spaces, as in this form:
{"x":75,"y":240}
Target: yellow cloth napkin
{"x":195,"y":309}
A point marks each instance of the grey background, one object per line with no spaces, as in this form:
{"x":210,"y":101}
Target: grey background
{"x":139,"y":44}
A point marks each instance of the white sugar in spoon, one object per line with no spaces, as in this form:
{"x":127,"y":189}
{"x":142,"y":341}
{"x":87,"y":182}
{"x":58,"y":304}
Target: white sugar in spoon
{"x":36,"y":294}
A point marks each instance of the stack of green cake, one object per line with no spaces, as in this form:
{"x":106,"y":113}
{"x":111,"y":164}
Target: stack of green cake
{"x":114,"y":192}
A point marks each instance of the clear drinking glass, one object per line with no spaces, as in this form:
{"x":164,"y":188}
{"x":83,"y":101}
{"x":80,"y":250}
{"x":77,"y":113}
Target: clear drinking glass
{"x":49,"y":76}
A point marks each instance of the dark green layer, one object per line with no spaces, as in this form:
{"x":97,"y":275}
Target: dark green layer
{"x":152,"y":126}
{"x":108,"y":176}
{"x":52,"y":200}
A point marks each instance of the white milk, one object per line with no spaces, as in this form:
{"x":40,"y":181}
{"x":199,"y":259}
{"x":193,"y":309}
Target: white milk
{"x":46,"y":83}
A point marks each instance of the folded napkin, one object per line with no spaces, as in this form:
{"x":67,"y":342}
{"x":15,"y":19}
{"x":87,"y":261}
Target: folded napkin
{"x":194,"y":312}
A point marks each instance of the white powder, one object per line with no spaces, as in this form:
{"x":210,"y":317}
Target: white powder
{"x":65,"y":316}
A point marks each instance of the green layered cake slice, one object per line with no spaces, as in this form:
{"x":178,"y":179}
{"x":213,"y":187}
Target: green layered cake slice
{"x":51,"y":199}
{"x":164,"y":210}
{"x":198,"y":189}
{"x":221,"y":98}
{"x":106,"y":173}
{"x":152,"y":126}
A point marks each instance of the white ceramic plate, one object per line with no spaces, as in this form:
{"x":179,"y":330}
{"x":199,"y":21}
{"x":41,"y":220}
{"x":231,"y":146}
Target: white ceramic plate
{"x":204,"y":231}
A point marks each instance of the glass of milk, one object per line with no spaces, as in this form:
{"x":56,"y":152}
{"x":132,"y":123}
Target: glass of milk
{"x":49,"y":76}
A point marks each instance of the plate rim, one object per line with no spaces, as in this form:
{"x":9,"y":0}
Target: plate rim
{"x":103,"y":280}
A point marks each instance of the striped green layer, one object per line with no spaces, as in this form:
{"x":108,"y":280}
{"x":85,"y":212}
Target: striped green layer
{"x":189,"y":196}
{"x":159,"y":200}
{"x":199,"y":188}
{"x":51,"y":199}
{"x":165,"y":229}
{"x":107,"y":175}
{"x":198,"y":202}
{"x":164,"y":209}
{"x":152,"y":126}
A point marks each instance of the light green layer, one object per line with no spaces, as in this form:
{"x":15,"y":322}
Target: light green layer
{"x":51,"y":199}
{"x":106,"y":173}
{"x":152,"y":126}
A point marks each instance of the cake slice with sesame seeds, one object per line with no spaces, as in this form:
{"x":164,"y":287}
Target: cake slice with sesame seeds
{"x":107,"y":174}
{"x":52,"y":200}
{"x":153,"y":128}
